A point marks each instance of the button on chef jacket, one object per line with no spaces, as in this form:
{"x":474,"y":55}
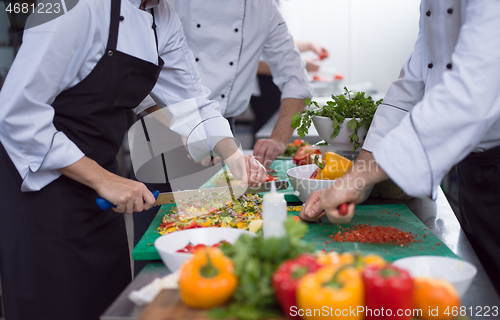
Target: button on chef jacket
{"x":46,"y":66}
{"x":229,"y":37}
{"x":446,"y":102}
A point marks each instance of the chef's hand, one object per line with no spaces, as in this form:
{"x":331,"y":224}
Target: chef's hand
{"x":326,"y":202}
{"x":266,"y":150}
{"x":247,"y":169}
{"x":127,"y":195}
{"x":307,"y":213}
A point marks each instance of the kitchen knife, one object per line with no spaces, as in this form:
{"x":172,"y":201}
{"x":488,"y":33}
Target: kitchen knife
{"x":220,"y":193}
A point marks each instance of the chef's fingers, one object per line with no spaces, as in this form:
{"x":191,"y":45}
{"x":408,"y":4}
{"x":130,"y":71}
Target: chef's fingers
{"x":148,"y":198}
{"x":259,"y":150}
{"x":256,"y":171}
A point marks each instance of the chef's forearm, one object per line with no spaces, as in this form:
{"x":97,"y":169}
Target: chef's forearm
{"x":366,"y":169}
{"x":87,"y":172}
{"x":227,"y":149}
{"x":283,"y":129}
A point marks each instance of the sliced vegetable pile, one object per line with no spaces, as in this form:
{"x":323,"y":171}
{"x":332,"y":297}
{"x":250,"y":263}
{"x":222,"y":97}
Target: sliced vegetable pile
{"x":211,"y":212}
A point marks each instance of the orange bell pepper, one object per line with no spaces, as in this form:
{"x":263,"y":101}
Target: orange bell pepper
{"x":207,"y":280}
{"x":332,"y":166}
{"x":331,"y":292}
{"x":436,"y":298}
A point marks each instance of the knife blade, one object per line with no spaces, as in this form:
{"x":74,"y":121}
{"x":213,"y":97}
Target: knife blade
{"x":220,"y":193}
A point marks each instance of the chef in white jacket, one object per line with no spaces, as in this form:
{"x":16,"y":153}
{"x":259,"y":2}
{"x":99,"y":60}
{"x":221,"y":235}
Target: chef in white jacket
{"x":443,"y":110}
{"x":227,"y":39}
{"x":62,"y":121}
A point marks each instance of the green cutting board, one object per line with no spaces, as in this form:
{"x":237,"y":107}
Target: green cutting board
{"x":319,"y":233}
{"x":395,"y":215}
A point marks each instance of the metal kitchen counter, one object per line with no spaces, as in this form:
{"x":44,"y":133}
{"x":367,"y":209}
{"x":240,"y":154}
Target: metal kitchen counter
{"x":437,"y":216}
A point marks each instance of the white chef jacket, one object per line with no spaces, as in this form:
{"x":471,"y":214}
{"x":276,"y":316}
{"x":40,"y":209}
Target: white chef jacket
{"x":46,"y":65}
{"x":228,"y":38}
{"x":446,"y":102}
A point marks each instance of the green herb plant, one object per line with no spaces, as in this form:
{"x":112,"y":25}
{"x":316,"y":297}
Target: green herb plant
{"x":255,"y":260}
{"x":347,"y":105}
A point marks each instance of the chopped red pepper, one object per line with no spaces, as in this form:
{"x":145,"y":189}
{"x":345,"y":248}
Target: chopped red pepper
{"x":302,"y":154}
{"x":285,"y":280}
{"x":389,"y":288}
{"x":314,"y":174}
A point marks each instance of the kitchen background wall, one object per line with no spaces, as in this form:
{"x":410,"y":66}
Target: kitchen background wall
{"x":368,"y":40}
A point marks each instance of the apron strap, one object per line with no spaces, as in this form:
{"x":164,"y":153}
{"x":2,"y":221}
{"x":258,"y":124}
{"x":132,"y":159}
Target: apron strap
{"x":113,"y":25}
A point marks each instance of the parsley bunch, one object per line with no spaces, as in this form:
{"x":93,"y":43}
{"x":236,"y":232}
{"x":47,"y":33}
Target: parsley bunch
{"x":355,"y":106}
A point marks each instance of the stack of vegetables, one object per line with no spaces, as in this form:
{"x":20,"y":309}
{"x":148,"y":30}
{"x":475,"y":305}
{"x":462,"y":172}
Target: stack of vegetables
{"x":259,"y":278}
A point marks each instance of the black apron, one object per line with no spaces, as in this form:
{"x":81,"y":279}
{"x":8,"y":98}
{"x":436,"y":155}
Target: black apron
{"x":61,"y":256}
{"x":479,"y":198}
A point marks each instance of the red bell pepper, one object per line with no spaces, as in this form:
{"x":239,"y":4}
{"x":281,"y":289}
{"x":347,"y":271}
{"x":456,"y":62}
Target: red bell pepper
{"x":302,"y":154}
{"x":286,"y":279}
{"x":314,"y":174}
{"x":390,"y":288}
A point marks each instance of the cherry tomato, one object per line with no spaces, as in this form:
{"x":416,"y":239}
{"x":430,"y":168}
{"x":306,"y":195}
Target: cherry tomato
{"x":316,"y":78}
{"x":298,"y":142}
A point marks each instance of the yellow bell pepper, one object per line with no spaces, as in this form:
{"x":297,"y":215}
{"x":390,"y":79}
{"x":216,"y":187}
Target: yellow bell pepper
{"x":332,"y":166}
{"x":207,"y":280}
{"x":331,"y":292}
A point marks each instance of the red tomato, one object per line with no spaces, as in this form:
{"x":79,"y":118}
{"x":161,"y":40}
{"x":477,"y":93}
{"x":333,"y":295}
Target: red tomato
{"x":271,"y":178}
{"x":338,"y":76}
{"x":316,"y":78}
{"x":199,"y":246}
{"x":192,"y":225}
{"x":218,"y":244}
{"x":298,"y":142}
{"x":323,"y":55}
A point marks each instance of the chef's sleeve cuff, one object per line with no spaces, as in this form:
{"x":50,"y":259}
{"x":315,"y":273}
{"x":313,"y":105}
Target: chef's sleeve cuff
{"x":205,"y":136}
{"x":386,"y":118}
{"x":403,"y":158}
{"x":297,"y":88}
{"x":62,"y":153}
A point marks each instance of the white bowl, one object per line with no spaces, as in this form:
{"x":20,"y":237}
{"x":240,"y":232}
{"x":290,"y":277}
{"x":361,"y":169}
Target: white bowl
{"x":299,"y":177}
{"x":168,"y":244}
{"x":458,"y":272}
{"x":324,"y":127}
